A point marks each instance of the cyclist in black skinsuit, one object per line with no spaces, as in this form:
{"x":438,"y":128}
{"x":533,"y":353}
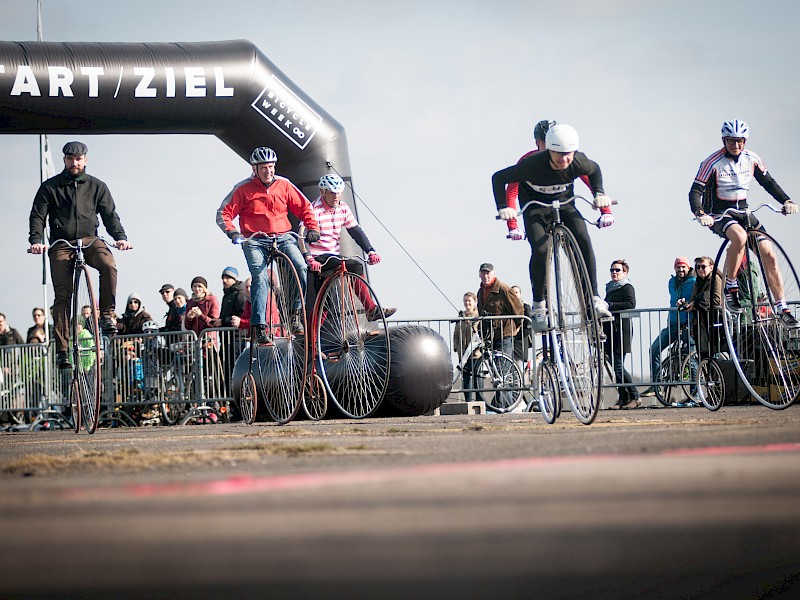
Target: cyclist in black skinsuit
{"x":547,"y":176}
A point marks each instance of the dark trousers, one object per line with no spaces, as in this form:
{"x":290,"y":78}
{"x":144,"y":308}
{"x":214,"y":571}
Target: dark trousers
{"x":330,"y":268}
{"x":97,"y":256}
{"x":621,"y":375}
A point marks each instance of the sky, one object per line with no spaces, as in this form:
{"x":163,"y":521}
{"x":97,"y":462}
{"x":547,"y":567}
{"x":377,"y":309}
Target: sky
{"x":434,"y":97}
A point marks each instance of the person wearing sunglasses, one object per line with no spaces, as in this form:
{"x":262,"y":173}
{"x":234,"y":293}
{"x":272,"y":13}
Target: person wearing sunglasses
{"x":620,"y":296}
{"x":135,"y":315}
{"x":722,"y":182}
{"x":706,"y":301}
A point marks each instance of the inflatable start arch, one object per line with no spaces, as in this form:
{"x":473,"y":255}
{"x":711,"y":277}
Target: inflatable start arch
{"x":228,"y":89}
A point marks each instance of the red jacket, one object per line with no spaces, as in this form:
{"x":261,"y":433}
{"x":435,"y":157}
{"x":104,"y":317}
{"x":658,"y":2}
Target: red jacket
{"x":210,"y":307}
{"x":266,"y":208}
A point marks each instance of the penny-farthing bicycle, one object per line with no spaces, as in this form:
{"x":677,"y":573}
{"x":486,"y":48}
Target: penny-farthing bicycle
{"x":85,"y":348}
{"x":350,"y":346}
{"x":572,"y":364}
{"x":764,"y":350}
{"x":278,"y":363}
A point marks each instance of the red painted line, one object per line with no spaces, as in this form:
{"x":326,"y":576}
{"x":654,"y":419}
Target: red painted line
{"x":246,"y":484}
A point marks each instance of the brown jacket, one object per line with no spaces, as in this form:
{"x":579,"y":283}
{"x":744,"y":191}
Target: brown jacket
{"x":500,"y":300}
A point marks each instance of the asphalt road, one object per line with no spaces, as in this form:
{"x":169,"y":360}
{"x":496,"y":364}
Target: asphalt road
{"x":662,"y":503}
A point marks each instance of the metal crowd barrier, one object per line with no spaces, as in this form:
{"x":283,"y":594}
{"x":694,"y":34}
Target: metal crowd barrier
{"x":185,"y":377}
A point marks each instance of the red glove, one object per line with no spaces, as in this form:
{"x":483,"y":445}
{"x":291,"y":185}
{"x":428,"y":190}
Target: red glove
{"x":373,"y":258}
{"x":313,"y":264}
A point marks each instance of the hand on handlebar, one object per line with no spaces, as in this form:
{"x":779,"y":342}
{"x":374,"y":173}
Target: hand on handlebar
{"x":605,"y":220}
{"x":313,"y":264}
{"x":789,"y":208}
{"x":123,"y":245}
{"x":37,"y":248}
{"x":516,"y":234}
{"x":312,"y":235}
{"x":235,"y":236}
{"x":373,"y":258}
{"x":507,"y":213}
{"x":705,"y":220}
{"x":602,"y":201}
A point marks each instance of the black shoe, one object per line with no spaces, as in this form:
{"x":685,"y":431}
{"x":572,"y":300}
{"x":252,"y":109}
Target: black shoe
{"x":297,"y":325}
{"x":732,"y":300}
{"x":260,"y":334}
{"x":107,"y":326}
{"x":374,"y":314}
{"x":787,"y":318}
{"x":62,"y":360}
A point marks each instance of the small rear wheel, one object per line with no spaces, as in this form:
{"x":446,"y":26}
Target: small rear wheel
{"x":549,"y":392}
{"x":710,"y":384}
{"x":315,"y":398}
{"x":248,"y":399}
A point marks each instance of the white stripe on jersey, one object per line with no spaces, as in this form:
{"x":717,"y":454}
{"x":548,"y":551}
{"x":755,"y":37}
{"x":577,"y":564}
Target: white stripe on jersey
{"x":330,"y":222}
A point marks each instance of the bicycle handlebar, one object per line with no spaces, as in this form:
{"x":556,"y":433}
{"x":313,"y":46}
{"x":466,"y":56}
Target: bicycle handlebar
{"x":555,"y":204}
{"x":75,"y":246}
{"x":342,"y":259}
{"x":744,"y":211}
{"x":270,"y":237}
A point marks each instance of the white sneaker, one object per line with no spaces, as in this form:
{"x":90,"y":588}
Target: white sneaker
{"x":539,"y":320}
{"x":601,"y":308}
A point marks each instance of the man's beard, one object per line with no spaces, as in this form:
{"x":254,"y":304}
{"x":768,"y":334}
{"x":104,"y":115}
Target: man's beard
{"x":73,"y":175}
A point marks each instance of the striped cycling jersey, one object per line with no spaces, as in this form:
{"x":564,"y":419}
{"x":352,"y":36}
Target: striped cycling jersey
{"x":331,"y":221}
{"x":731,"y":177}
{"x":723,"y":179}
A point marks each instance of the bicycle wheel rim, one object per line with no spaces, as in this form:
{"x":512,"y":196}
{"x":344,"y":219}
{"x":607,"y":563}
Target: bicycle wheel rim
{"x":282,"y":363}
{"x":86,"y":349}
{"x":688,"y":374}
{"x":315,"y":398}
{"x":248,"y":399}
{"x":352,"y":352}
{"x":710,"y":384}
{"x":75,"y":405}
{"x":499,"y":371}
{"x":581,"y":354}
{"x":667,"y":373}
{"x":549,"y":392}
{"x":766,"y":353}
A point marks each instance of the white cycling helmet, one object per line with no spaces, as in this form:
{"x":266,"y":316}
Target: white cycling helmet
{"x":150,"y":327}
{"x":561,"y":138}
{"x":735,"y":129}
{"x":331,"y":182}
{"x":263,"y":155}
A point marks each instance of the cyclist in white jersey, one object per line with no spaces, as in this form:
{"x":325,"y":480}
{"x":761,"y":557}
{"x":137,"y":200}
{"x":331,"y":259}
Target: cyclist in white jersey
{"x":722,"y":182}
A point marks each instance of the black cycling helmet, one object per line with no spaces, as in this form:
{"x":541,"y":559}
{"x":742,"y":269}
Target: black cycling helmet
{"x":541,"y":129}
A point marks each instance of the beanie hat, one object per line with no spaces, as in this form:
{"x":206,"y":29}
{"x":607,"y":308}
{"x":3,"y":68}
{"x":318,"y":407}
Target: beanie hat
{"x":181,"y":292}
{"x":200,"y":280}
{"x":231,"y":272}
{"x":682,"y":260}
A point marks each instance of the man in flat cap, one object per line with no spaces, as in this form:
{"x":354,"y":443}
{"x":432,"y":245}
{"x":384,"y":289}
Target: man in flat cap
{"x":70,"y":203}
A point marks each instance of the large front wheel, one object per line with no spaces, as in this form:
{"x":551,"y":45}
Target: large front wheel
{"x":765,"y":348}
{"x":282,"y":361}
{"x":352,"y":349}
{"x":577,"y":343}
{"x":86,"y":349}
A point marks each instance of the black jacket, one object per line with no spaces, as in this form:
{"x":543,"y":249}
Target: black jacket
{"x":619,"y":330}
{"x":233,"y":299}
{"x":72,"y":206}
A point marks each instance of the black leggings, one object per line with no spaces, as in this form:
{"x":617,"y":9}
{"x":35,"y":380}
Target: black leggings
{"x":535,"y":227}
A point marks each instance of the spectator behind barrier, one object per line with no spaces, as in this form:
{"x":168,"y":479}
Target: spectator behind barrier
{"x":8,"y":335}
{"x":620,"y":295}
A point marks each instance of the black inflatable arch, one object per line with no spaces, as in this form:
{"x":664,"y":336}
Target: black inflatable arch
{"x":228,"y":89}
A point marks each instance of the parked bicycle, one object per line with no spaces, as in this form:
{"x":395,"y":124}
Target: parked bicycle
{"x":494,"y":377}
{"x":678,"y":374}
{"x":573,"y":355}
{"x":764,"y":350}
{"x":280,"y":360}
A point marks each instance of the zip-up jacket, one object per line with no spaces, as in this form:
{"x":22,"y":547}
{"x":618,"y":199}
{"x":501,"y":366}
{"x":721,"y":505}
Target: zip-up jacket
{"x":71,"y":206}
{"x":266,"y":208}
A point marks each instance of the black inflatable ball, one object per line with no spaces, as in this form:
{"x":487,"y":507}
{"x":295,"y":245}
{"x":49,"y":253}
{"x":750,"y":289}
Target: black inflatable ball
{"x":421,"y":374}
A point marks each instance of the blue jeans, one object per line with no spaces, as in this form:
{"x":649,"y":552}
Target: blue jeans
{"x":255,"y":253}
{"x":665,"y":338}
